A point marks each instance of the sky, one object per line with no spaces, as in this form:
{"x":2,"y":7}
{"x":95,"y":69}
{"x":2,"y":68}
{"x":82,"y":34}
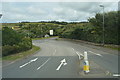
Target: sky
{"x":52,"y":11}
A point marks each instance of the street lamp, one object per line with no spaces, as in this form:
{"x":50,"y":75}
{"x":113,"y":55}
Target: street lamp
{"x":103,"y":26}
{"x":40,"y":30}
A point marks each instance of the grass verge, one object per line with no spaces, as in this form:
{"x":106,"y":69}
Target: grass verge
{"x":113,"y":47}
{"x":22,"y":54}
{"x":43,"y":38}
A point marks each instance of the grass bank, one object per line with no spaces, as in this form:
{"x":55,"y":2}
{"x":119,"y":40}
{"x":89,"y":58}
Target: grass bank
{"x":22,"y":54}
{"x":113,"y":47}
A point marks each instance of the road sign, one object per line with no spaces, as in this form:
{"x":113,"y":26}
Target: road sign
{"x":51,"y":32}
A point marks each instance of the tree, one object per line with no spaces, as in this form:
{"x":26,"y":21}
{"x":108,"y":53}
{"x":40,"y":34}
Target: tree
{"x":110,"y":24}
{"x":10,"y":37}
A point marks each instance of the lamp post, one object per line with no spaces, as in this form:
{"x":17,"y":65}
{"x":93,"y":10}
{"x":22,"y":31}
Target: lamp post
{"x":103,"y":26}
{"x":0,"y":15}
{"x":40,"y":31}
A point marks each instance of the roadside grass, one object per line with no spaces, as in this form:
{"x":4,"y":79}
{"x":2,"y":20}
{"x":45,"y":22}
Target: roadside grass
{"x":58,"y":39}
{"x":43,"y":38}
{"x":21,"y":54}
{"x":113,"y":47}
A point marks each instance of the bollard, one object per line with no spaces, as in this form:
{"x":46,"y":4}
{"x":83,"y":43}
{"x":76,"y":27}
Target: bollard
{"x":86,"y":67}
{"x":85,"y":56}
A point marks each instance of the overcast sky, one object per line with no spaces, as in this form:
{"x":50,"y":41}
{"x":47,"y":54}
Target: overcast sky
{"x":49,"y":11}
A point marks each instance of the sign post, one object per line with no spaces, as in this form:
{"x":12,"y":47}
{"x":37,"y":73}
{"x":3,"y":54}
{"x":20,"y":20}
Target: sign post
{"x":51,"y":32}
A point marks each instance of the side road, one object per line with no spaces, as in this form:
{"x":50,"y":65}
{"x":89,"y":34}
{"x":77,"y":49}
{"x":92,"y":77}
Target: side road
{"x":113,"y":49}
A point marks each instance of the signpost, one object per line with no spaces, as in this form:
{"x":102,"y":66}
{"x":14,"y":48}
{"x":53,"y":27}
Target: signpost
{"x":51,"y":32}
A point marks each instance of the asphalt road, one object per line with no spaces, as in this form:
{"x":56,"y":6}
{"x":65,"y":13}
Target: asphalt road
{"x":44,"y":63}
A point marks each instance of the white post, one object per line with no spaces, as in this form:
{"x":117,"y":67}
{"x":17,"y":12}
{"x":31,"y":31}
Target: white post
{"x":85,"y":56}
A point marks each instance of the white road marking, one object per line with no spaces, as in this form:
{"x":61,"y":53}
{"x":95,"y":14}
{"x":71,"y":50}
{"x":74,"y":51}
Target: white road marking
{"x":107,"y":73}
{"x":96,"y":53}
{"x":43,"y":64}
{"x":54,"y":52}
{"x":116,"y":75}
{"x":33,"y":60}
{"x":73,"y":49}
{"x":78,"y":53}
{"x":63,"y":62}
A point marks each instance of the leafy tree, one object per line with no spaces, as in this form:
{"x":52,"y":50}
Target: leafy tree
{"x":110,"y":24}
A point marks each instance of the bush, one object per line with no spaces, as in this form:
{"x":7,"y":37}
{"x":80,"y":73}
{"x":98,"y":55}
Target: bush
{"x":10,"y":37}
{"x":8,"y":50}
{"x":14,"y":42}
{"x":25,"y":44}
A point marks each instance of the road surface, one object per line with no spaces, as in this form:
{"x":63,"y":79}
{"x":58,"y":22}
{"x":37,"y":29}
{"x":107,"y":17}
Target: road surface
{"x":47,"y":62}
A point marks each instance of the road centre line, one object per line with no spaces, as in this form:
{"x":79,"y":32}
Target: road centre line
{"x":43,"y":64}
{"x":96,"y":53}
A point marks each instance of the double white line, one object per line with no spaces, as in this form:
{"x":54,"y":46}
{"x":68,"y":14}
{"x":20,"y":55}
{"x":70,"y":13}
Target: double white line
{"x":79,"y":54}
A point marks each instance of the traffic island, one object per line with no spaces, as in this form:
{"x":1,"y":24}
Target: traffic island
{"x":95,"y":71}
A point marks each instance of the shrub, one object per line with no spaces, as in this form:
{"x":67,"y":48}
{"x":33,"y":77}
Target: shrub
{"x":14,"y":42}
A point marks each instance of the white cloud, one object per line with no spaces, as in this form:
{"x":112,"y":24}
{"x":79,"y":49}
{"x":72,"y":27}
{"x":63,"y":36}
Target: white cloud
{"x":59,"y":10}
{"x":0,"y":8}
{"x":67,"y":11}
{"x":60,"y":0}
{"x":35,"y":10}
